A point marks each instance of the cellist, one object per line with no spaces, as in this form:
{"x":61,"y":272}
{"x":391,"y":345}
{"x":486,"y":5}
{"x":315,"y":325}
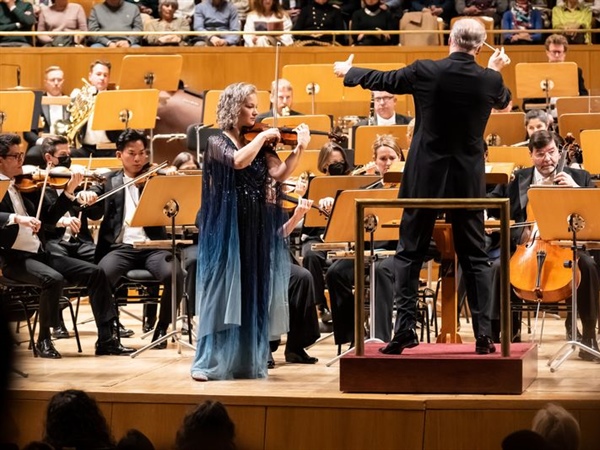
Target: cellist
{"x":545,"y":154}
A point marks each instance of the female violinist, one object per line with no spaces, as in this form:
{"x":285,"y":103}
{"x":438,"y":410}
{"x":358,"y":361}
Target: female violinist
{"x":241,"y":252}
{"x":544,"y":156}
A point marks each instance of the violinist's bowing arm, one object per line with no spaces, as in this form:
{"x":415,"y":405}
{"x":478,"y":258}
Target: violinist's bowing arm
{"x":282,"y":170}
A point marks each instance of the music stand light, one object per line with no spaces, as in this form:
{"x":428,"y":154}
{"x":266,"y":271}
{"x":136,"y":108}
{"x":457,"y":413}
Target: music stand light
{"x":169,"y":201}
{"x":16,"y":111}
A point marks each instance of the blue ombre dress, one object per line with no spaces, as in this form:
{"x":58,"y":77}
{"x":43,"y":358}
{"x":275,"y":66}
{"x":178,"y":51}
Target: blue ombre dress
{"x":243,"y":267}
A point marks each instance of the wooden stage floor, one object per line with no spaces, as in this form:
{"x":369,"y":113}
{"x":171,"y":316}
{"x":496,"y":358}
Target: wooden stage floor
{"x":298,"y":406}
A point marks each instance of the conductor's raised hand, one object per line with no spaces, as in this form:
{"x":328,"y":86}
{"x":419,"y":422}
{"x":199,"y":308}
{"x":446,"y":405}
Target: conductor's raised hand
{"x":341,"y":68}
{"x":498,"y":60}
{"x":303,"y":133}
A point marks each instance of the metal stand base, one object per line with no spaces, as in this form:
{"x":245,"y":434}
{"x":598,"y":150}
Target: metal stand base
{"x":567,"y":350}
{"x":338,"y":357}
{"x":321,"y":339}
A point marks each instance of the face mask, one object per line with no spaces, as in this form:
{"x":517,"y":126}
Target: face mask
{"x":372,"y":8}
{"x":337,"y":168}
{"x":64,"y":161}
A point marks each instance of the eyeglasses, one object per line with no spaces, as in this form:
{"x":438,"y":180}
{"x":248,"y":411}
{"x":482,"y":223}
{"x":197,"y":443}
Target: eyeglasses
{"x":383,"y":99}
{"x":556,"y":52}
{"x":18,"y":156}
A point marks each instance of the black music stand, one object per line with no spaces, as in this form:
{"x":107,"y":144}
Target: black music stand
{"x":169,"y":200}
{"x":16,"y":111}
{"x":569,"y":223}
{"x":338,"y":230}
{"x":545,"y":80}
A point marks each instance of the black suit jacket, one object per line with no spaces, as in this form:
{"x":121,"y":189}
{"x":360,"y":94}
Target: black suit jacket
{"x":517,"y":189}
{"x":453,"y":99}
{"x":32,"y":136}
{"x":113,"y":209}
{"x":400,"y":120}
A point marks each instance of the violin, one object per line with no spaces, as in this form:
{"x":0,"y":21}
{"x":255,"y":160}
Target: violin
{"x":288,"y":135}
{"x":33,"y":178}
{"x":538,"y":271}
{"x":573,"y":150}
{"x":293,"y":200}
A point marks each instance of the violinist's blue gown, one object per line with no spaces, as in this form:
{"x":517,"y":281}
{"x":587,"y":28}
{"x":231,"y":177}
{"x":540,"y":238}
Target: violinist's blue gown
{"x":243,"y":267}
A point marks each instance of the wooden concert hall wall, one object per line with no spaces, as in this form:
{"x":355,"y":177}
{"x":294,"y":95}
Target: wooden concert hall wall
{"x":211,"y":68}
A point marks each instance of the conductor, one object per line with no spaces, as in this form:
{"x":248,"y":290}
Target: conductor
{"x":453,"y":99}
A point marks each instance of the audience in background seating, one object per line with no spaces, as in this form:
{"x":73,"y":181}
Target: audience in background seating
{"x":167,"y":22}
{"x":15,"y":16}
{"x":216,"y":15}
{"x":61,"y":16}
{"x":267,"y":15}
{"x":208,"y":427}
{"x":558,"y":426}
{"x":115,"y":15}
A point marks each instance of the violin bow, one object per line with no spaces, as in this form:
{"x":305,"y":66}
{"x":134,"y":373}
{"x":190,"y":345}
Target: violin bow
{"x":85,"y":184}
{"x":43,"y":191}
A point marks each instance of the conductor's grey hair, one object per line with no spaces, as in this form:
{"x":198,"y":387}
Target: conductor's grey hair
{"x":468,"y":34}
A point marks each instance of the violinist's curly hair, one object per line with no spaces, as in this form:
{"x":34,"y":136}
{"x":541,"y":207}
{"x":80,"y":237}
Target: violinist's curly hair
{"x":230,"y":104}
{"x":7,"y":140}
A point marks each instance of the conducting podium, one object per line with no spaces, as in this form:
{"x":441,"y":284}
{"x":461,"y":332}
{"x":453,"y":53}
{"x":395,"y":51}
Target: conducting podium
{"x":169,"y":201}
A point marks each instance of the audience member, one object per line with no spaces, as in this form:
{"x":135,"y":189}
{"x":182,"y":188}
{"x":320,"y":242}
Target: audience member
{"x":558,"y":426}
{"x":74,"y":420}
{"x":320,"y":16}
{"x":15,"y":16}
{"x":134,"y":440}
{"x":61,"y":16}
{"x":437,"y":8}
{"x":148,"y":8}
{"x":371,"y":18}
{"x":167,"y":22}
{"x":207,"y":427}
{"x":488,"y":8}
{"x":217,"y":15}
{"x":525,"y":440}
{"x":571,"y":17}
{"x":115,"y":15}
{"x":242,"y":6}
{"x":522,"y":16}
{"x":267,"y":15}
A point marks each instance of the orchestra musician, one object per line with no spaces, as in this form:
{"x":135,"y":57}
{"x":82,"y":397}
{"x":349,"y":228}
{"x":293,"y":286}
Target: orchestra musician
{"x":23,"y":259}
{"x":282,"y":95}
{"x":243,"y":262}
{"x":544,"y":156}
{"x":115,"y":251}
{"x":384,"y":108}
{"x":340,"y":276}
{"x":453,"y":99}
{"x":98,"y":77}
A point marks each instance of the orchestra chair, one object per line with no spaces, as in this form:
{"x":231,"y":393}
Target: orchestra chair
{"x":573,"y":105}
{"x":417,"y":20}
{"x":24,"y":298}
{"x":487,"y":22}
{"x":211,"y":100}
{"x":427,"y":308}
{"x":590,"y":145}
{"x":137,"y":286}
{"x":539,"y":310}
{"x":197,"y":138}
{"x":576,"y":123}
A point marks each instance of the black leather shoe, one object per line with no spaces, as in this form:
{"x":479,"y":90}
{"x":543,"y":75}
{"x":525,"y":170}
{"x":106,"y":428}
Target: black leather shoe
{"x":569,"y":335}
{"x":125,"y":332}
{"x":112,"y":347}
{"x":60,"y":332}
{"x":400,"y":341}
{"x":484,"y":345}
{"x":593,"y":344}
{"x":149,"y":323}
{"x":45,"y":349}
{"x":270,"y":361}
{"x":300,"y":357}
{"x":159,"y":332}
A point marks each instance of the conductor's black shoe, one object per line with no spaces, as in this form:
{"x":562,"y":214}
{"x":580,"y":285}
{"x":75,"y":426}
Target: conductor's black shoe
{"x":484,"y":345}
{"x":45,"y":349}
{"x":112,"y":346}
{"x":60,"y":332}
{"x":405,"y":339}
{"x":299,"y":357}
{"x":160,"y":331}
{"x":593,"y":344}
{"x":125,"y":332}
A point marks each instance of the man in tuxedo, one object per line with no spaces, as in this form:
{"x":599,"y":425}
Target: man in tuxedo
{"x":54,"y":78}
{"x":98,"y":77}
{"x":23,"y":259}
{"x":384,"y":109}
{"x":453,"y":99}
{"x":282,"y":95}
{"x":543,"y":148}
{"x":115,"y":252}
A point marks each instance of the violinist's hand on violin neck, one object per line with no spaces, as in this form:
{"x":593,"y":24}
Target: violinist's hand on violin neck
{"x":303,"y":133}
{"x":75,"y":180}
{"x":341,"y":68}
{"x":86,"y":197}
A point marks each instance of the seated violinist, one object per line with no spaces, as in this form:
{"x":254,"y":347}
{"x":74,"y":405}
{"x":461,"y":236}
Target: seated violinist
{"x":332,"y":160}
{"x":340,"y":276}
{"x":544,"y":156}
{"x":23,"y":258}
{"x":115,"y":252}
